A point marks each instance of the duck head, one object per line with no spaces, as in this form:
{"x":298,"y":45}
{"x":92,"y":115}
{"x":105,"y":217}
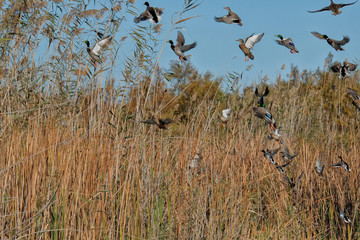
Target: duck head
{"x":279,"y":36}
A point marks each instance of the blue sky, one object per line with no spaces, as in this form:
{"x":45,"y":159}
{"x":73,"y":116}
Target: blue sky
{"x":218,"y":52}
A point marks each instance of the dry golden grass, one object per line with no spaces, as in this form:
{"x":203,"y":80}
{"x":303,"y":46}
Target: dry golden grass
{"x":77,"y":163}
{"x":92,"y":171}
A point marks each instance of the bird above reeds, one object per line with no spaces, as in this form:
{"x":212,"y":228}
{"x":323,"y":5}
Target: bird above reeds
{"x":343,"y":214}
{"x":261,"y":102}
{"x":265,"y":114}
{"x":336,"y":44}
{"x":280,"y":168}
{"x":342,"y":164}
{"x":180,"y":48}
{"x":249,"y":44}
{"x":275,"y":135}
{"x":286,"y":42}
{"x":355,"y":97}
{"x":269,"y":154}
{"x":343,"y":69}
{"x":334,"y":7}
{"x":225,"y":116}
{"x":287,"y":156}
{"x":99,"y":47}
{"x":230,"y":18}
{"x":152,"y":14}
{"x":158,"y":122}
{"x":292,"y":183}
{"x":319,"y":167}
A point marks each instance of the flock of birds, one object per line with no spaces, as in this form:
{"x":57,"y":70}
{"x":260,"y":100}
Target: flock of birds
{"x":153,"y":14}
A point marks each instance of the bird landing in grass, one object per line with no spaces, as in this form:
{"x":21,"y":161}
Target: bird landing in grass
{"x":344,"y":69}
{"x":319,"y":167}
{"x":269,"y":155}
{"x":343,"y":213}
{"x":225,"y":116}
{"x":355,"y":97}
{"x":287,"y":155}
{"x":265,"y":114}
{"x":342,"y":164}
{"x":275,"y":135}
{"x":261,"y":102}
{"x":158,"y":122}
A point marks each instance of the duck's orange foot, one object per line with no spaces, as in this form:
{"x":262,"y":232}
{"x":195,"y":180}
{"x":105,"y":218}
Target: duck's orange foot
{"x":181,"y":58}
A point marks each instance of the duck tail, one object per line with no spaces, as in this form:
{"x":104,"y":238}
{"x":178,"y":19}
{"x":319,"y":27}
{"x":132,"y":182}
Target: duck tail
{"x":251,"y":56}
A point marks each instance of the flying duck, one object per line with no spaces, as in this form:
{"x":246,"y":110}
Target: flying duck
{"x":355,"y":97}
{"x":336,"y":44}
{"x":335,"y":8}
{"x":100,"y":46}
{"x":230,"y":18}
{"x":260,"y":102}
{"x":344,"y":69}
{"x":287,"y":42}
{"x":180,"y":48}
{"x":265,"y":114}
{"x":249,"y":44}
{"x":342,"y":164}
{"x":152,"y":14}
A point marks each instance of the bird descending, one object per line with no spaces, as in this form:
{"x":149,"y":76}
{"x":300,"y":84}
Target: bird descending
{"x":230,"y":18}
{"x":152,"y":14}
{"x":294,"y":185}
{"x":319,"y":166}
{"x":180,"y":48}
{"x":344,"y":69}
{"x":335,"y":8}
{"x":275,"y":135}
{"x":355,"y":97}
{"x":343,"y":214}
{"x":100,"y":46}
{"x":249,"y":44}
{"x":225,"y":116}
{"x":343,"y":164}
{"x":287,"y":156}
{"x":260,"y":102}
{"x":336,"y":44}
{"x":265,"y":114}
{"x":287,"y":42}
{"x":269,"y":154}
{"x":158,"y":122}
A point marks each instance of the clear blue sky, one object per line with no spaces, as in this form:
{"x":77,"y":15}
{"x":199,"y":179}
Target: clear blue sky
{"x":218,"y":52}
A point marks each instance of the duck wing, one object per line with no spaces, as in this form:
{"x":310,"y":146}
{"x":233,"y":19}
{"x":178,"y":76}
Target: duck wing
{"x":321,"y":10}
{"x":187,"y":47}
{"x":346,"y":4}
{"x":336,"y":67}
{"x":344,"y":41}
{"x":350,"y":66}
{"x":101,"y":45}
{"x":143,"y":17}
{"x":252,"y":40}
{"x":180,"y":40}
{"x":353,"y":94}
{"x":318,"y":35}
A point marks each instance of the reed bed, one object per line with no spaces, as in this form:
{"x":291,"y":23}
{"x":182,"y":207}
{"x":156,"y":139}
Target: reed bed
{"x":77,"y":163}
